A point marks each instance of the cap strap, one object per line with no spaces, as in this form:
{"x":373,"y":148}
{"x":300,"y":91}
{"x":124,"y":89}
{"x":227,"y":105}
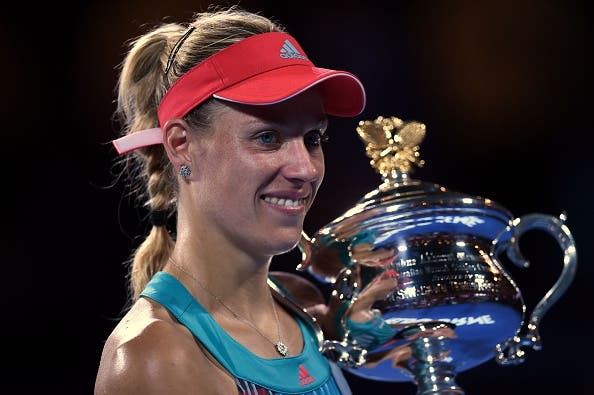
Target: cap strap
{"x":139,"y":139}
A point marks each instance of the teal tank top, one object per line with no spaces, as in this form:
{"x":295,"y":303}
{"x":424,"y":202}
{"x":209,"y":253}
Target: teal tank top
{"x":308,"y":373}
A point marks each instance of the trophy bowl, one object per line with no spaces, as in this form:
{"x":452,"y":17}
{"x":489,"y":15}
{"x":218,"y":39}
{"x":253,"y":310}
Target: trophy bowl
{"x":426,"y":261}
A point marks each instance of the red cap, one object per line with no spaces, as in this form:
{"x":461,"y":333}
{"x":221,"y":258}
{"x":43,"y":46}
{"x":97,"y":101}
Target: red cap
{"x":262,"y":69}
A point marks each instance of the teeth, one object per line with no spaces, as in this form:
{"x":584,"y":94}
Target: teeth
{"x":283,"y":202}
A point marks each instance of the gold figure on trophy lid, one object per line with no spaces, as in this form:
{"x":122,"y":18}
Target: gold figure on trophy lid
{"x":392,"y":145}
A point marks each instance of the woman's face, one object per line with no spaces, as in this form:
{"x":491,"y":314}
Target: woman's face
{"x":259,"y":170}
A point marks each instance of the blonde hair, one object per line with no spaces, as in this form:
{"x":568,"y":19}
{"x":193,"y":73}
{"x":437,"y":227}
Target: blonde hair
{"x":142,"y":83}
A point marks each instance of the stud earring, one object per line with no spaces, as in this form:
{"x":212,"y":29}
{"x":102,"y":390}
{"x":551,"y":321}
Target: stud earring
{"x":184,"y":171}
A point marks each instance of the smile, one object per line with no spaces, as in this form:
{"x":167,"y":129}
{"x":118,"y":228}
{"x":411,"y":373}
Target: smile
{"x":284,"y":202}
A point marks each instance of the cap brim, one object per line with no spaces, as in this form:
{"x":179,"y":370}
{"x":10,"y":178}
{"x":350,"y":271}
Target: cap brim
{"x":342,"y":92}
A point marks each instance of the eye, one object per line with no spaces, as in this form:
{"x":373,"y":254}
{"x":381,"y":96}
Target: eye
{"x":315,"y":138}
{"x":268,"y":137}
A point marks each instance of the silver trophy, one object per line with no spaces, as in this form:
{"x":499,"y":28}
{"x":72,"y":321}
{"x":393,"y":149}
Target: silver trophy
{"x":426,"y":262}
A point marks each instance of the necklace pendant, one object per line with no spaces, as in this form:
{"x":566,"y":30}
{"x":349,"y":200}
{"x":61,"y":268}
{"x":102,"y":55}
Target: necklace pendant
{"x":282,"y":348}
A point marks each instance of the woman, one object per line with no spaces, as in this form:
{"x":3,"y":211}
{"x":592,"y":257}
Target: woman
{"x":223,"y":122}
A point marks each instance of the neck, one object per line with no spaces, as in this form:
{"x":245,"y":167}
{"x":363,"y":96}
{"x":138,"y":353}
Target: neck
{"x":234,"y":277}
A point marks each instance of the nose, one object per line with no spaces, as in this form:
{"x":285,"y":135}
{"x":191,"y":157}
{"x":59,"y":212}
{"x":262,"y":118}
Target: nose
{"x":303,"y":163}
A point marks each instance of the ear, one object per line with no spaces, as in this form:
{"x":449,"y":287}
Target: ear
{"x":176,"y":142}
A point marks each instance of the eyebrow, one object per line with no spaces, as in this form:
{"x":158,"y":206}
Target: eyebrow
{"x":323,"y":122}
{"x":320,"y":123}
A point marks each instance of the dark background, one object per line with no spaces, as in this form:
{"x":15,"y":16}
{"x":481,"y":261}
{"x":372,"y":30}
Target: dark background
{"x":504,"y":87}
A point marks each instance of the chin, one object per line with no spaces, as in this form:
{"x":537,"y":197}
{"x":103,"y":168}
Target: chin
{"x":282,"y":242}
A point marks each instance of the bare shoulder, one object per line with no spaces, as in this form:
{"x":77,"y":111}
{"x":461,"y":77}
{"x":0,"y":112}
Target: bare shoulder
{"x":150,"y":353}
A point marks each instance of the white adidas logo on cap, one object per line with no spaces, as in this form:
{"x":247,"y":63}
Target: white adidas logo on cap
{"x":288,"y":50}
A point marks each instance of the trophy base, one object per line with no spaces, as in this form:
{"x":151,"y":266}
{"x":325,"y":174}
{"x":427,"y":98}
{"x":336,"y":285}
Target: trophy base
{"x":478,"y":328}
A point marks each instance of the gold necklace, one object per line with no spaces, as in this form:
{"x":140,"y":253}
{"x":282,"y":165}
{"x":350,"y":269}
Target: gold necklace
{"x":279,"y":346}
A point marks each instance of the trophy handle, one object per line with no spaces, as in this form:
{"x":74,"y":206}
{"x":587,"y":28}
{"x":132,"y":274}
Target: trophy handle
{"x":510,"y":351}
{"x":345,"y":354}
{"x":305,"y":246}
